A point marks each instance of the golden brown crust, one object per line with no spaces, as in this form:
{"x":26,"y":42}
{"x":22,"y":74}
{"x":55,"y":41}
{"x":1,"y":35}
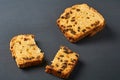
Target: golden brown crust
{"x":25,"y":51}
{"x":79,"y":21}
{"x":63,"y":64}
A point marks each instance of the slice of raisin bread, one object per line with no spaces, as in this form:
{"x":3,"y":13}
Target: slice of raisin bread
{"x":63,"y":63}
{"x":25,"y":51}
{"x":79,"y":21}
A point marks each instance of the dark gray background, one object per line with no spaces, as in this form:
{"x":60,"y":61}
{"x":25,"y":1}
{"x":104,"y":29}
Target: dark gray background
{"x":99,"y":55}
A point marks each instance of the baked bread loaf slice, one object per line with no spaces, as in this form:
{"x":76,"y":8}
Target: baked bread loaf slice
{"x":79,"y":21}
{"x":63,"y":63}
{"x":25,"y":51}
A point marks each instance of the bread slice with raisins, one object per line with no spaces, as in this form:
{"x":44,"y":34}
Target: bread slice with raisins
{"x":79,"y":21}
{"x":63,"y":63}
{"x":25,"y":51}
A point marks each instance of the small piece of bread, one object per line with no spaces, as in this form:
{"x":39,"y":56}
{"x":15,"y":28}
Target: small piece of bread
{"x":63,"y":63}
{"x":79,"y":21}
{"x":25,"y":51}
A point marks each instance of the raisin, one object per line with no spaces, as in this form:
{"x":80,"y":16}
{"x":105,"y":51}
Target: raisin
{"x":64,"y":65}
{"x":67,"y":15}
{"x":32,"y":57}
{"x":88,"y":28}
{"x":14,"y":57}
{"x":38,"y":57}
{"x":59,"y":71}
{"x":67,"y":51}
{"x":78,"y":27}
{"x":65,"y":48}
{"x":95,"y":24}
{"x":65,"y":30}
{"x":34,"y":48}
{"x":62,"y":26}
{"x":72,"y":31}
{"x":67,"y":21}
{"x":69,"y":26}
{"x":20,"y":38}
{"x":92,"y":24}
{"x":73,"y":17}
{"x":11,"y":47}
{"x":70,"y":64}
{"x":27,"y":58}
{"x":72,"y":20}
{"x":65,"y":61}
{"x":58,"y":21}
{"x":67,"y":56}
{"x":31,"y":44}
{"x":57,"y":65}
{"x":49,"y":70}
{"x":19,"y":42}
{"x":25,"y":39}
{"x":77,"y":55}
{"x":61,"y":60}
{"x":83,"y":30}
{"x":62,"y":17}
{"x":58,"y":58}
{"x":71,"y":12}
{"x":27,"y":49}
{"x":21,"y":51}
{"x":73,"y":8}
{"x":32,"y":36}
{"x":78,"y":30}
{"x":75,"y":22}
{"x":77,"y":9}
{"x":73,"y":60}
{"x":51,"y":66}
{"x":61,"y":55}
{"x":88,"y":17}
{"x":41,"y":52}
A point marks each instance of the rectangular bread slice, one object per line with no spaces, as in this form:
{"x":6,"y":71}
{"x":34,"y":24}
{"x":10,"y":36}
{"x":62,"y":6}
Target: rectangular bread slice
{"x":79,"y":21}
{"x":25,"y":51}
{"x":63,"y":63}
